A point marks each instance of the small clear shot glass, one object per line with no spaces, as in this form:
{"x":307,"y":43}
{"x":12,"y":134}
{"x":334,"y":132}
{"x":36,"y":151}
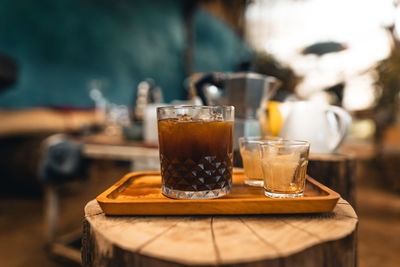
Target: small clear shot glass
{"x":284,"y":166}
{"x":251,"y":157}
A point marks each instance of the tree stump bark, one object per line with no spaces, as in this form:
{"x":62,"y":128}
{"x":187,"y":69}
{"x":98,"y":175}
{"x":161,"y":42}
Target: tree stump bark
{"x":336,"y":172}
{"x":328,"y":239}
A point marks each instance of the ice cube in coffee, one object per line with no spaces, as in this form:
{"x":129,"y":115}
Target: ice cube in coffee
{"x":196,"y":151}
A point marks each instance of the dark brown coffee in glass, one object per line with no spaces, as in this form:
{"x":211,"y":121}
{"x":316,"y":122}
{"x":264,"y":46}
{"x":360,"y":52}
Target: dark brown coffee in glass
{"x":196,"y":151}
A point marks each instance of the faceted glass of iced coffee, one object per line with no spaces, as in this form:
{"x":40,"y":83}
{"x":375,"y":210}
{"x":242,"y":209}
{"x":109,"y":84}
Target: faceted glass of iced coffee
{"x":251,"y":157}
{"x":196,"y":151}
{"x":284,"y":167}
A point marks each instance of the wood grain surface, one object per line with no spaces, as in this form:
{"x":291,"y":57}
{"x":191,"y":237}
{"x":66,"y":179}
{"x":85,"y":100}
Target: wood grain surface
{"x":327,"y":239}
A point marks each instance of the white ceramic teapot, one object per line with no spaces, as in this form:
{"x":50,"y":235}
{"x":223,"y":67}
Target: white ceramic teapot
{"x":324,"y":126}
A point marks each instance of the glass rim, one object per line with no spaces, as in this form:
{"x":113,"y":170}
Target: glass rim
{"x":199,"y":107}
{"x":257,"y":139}
{"x":285,"y":143}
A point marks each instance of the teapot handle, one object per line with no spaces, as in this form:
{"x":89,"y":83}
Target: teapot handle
{"x":343,"y":124}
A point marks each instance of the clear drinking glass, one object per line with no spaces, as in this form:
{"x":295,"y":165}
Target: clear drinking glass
{"x":196,"y":150}
{"x":251,"y":157}
{"x":284,"y":167}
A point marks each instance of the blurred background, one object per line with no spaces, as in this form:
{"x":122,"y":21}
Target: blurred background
{"x":80,"y":80}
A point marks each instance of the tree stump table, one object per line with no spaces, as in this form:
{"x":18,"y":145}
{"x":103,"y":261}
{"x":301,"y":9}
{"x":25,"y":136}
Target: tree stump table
{"x":328,"y":239}
{"x":336,"y":171}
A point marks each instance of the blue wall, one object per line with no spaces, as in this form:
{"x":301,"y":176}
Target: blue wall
{"x":62,"y":45}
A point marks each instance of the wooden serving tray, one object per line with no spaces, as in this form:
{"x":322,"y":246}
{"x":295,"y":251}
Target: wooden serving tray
{"x":139,"y":193}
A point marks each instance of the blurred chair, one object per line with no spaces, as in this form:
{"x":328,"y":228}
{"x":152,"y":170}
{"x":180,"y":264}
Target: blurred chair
{"x":65,"y":161}
{"x":62,"y":161}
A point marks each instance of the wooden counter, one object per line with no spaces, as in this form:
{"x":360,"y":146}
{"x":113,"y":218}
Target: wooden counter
{"x":43,"y":120}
